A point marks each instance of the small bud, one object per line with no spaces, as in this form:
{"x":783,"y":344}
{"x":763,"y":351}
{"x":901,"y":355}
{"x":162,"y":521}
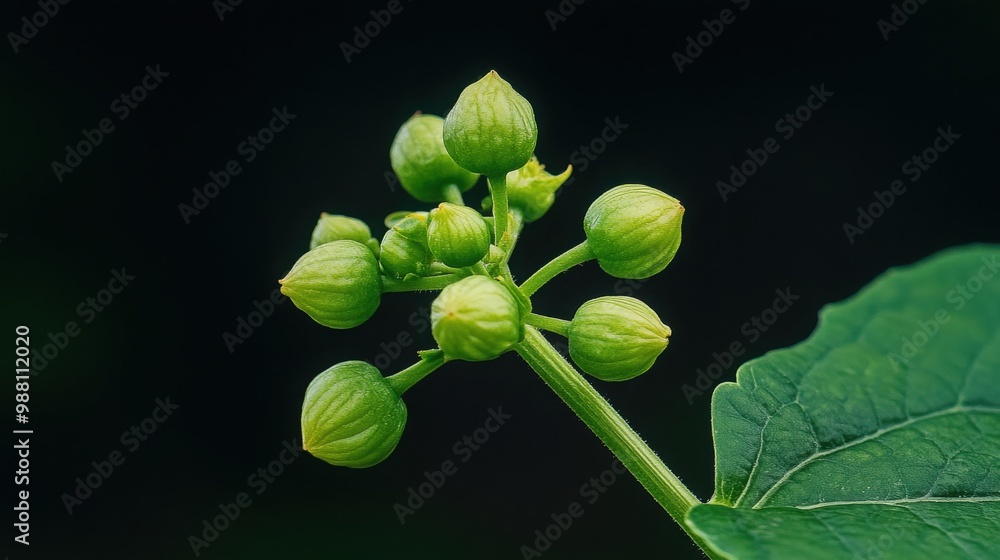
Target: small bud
{"x":337,"y":284}
{"x":491,"y":129}
{"x":422,"y":164}
{"x":616,"y":338}
{"x":495,"y":255}
{"x":457,"y":235}
{"x":351,"y":417}
{"x":334,"y":227}
{"x":532,"y":190}
{"x":634,"y":230}
{"x":404,"y":248}
{"x":475,"y":319}
{"x":400,"y":215}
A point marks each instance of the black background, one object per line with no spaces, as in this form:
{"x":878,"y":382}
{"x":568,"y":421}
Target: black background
{"x":162,"y":336}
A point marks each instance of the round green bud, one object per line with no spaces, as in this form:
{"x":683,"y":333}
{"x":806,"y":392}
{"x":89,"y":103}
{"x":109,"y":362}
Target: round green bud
{"x":457,"y":235}
{"x":334,"y":227}
{"x":351,"y":417}
{"x":634,"y":230}
{"x":491,"y":129}
{"x":476,"y":319}
{"x":531,"y":189}
{"x":615,"y":338}
{"x":404,"y":247}
{"x":422,"y":164}
{"x":337,"y":284}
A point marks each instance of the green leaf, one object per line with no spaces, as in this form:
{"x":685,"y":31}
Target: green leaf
{"x":879,"y":436}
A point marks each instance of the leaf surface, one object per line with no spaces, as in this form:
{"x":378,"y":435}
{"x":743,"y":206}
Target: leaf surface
{"x":877,"y":437}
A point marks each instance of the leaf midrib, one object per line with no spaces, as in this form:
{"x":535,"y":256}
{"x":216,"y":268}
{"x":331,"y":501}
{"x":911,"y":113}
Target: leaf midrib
{"x":954,"y":409}
{"x":905,"y":501}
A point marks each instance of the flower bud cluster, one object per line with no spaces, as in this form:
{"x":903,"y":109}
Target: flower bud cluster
{"x":353,"y":416}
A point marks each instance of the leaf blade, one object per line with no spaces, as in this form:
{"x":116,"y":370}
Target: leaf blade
{"x":853,"y":417}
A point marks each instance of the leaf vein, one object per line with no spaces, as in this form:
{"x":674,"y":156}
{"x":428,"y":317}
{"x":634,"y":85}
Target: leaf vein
{"x":955,"y":409}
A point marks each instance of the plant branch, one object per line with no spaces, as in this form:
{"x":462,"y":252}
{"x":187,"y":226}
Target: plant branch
{"x":611,"y":428}
{"x":419,"y":284}
{"x":498,"y":192}
{"x":453,"y":195}
{"x":429,"y":361}
{"x":579,"y":254}
{"x":551,"y":324}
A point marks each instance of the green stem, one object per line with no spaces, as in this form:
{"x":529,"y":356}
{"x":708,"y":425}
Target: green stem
{"x":514,"y":235}
{"x":522,"y":300}
{"x":429,"y":361}
{"x":480,"y":268}
{"x":610,"y":427}
{"x":579,"y":254}
{"x":498,"y":191}
{"x":551,"y":324}
{"x":441,"y":268}
{"x":419,"y":284}
{"x":453,"y":195}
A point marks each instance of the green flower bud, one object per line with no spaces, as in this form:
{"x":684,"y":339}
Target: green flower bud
{"x":615,"y":338}
{"x":400,"y":215}
{"x":495,"y":255}
{"x":457,"y":235}
{"x":351,"y":417}
{"x":532,"y":190}
{"x":337,"y":284}
{"x":634,"y":230}
{"x":491,"y":129}
{"x":421,"y":162}
{"x":334,"y":227}
{"x":413,"y":227}
{"x":404,"y":247}
{"x":476,"y":319}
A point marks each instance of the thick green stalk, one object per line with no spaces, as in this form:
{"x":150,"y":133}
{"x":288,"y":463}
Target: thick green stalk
{"x":610,"y":427}
{"x":579,"y":254}
{"x":514,"y":234}
{"x":498,"y":192}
